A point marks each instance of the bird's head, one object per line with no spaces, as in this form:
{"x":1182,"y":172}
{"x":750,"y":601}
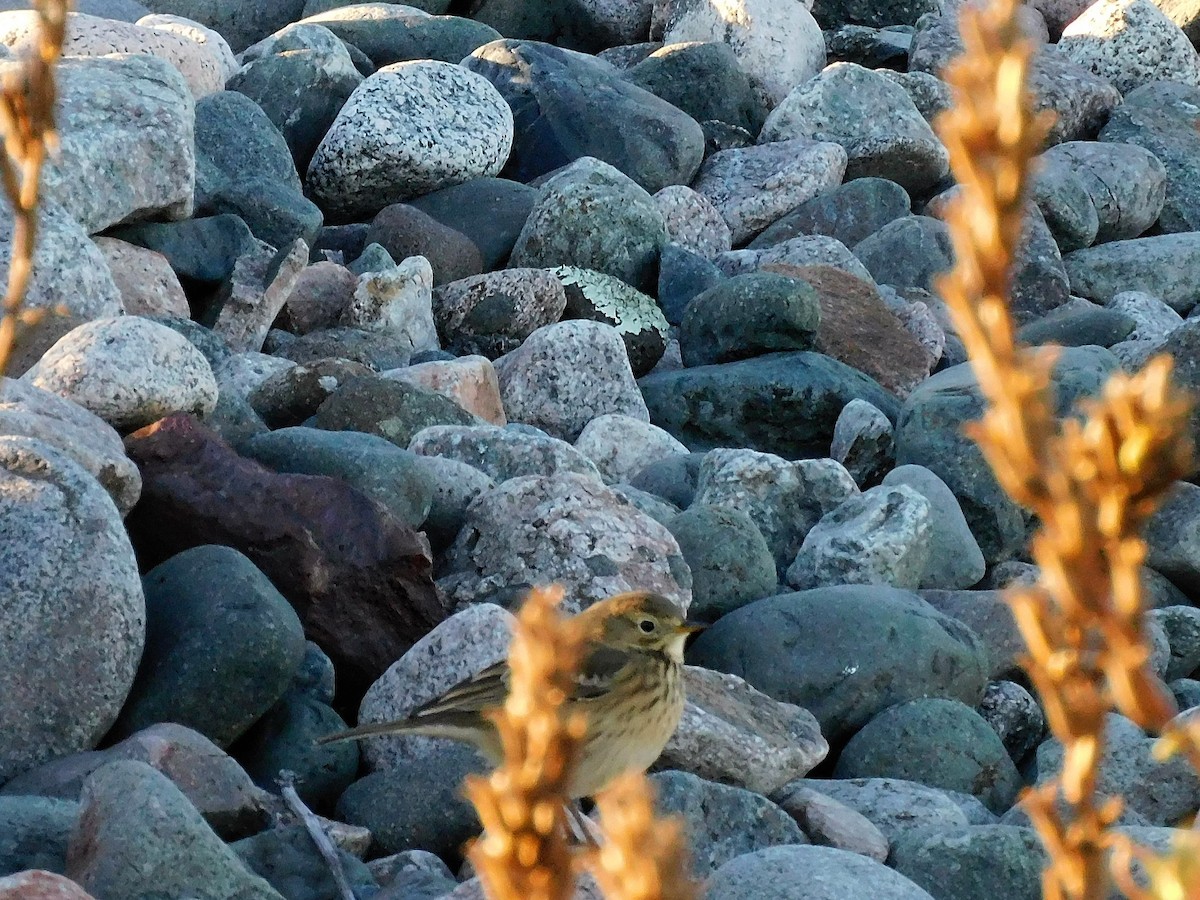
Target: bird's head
{"x":641,"y":620}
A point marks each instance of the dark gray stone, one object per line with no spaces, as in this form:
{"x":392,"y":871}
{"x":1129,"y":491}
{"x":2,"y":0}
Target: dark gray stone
{"x":685,"y":75}
{"x":730,"y":561}
{"x":202,"y":250}
{"x":289,"y":861}
{"x":300,"y":77}
{"x":749,"y":315}
{"x":380,"y":350}
{"x":979,"y":862}
{"x":244,"y":167}
{"x":292,"y":395}
{"x":375,"y":466}
{"x":831,"y":14}
{"x":929,"y":433}
{"x":1078,"y":325}
{"x":850,"y":213}
{"x":846,"y":653}
{"x":34,"y":833}
{"x":907,"y":252}
{"x":138,"y":836}
{"x":388,"y":408}
{"x":893,"y":805}
{"x":725,"y":405}
{"x":419,"y":806}
{"x":808,"y":873}
{"x":988,"y":615}
{"x":941,"y":743}
{"x":489,"y":211}
{"x":1173,"y":537}
{"x":1162,"y":117}
{"x":723,"y":822}
{"x":564,"y":105}
{"x":673,"y":478}
{"x":683,"y":276}
{"x":222,"y":645}
{"x":239,"y":24}
{"x":394,"y":35}
{"x":403,"y":231}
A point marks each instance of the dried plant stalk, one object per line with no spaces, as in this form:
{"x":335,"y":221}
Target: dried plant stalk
{"x":1093,"y":483}
{"x":27,"y":97}
{"x":524,"y":853}
{"x":643,"y":858}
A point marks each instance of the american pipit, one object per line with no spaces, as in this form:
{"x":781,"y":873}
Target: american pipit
{"x":629,"y":690}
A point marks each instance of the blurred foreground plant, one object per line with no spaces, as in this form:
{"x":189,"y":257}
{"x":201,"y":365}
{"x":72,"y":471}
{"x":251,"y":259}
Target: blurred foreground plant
{"x":526,"y":852}
{"x":27,"y":96}
{"x":1093,"y":481}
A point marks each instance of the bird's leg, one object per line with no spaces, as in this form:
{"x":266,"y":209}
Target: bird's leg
{"x":583,"y":829}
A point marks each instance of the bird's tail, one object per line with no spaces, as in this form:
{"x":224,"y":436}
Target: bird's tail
{"x":375,"y":729}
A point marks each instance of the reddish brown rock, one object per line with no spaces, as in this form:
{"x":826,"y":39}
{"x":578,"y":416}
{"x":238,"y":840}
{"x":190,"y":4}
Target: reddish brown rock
{"x":321,"y":293}
{"x":858,"y":329}
{"x":405,"y":231}
{"x":38,"y":884}
{"x":359,"y":579}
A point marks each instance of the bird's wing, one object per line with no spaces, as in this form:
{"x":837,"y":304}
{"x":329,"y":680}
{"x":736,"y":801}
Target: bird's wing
{"x":483,"y":690}
{"x":598,"y":671}
{"x":489,"y":688}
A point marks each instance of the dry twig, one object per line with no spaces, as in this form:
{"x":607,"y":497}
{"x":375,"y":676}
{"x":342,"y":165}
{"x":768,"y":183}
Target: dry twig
{"x":642,"y":858}
{"x":524,"y":853}
{"x":27,"y":97}
{"x":1092,"y":484}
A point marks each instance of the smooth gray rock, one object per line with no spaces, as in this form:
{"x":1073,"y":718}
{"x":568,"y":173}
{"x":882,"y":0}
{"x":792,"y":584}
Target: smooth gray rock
{"x":34,"y":832}
{"x":1163,"y":266}
{"x":955,"y":560}
{"x":850,"y":213}
{"x":1126,"y":184}
{"x":1161,"y":793}
{"x":1182,"y":626}
{"x":872,"y":117}
{"x":719,"y":405}
{"x":289,"y":861}
{"x":1162,"y":118}
{"x":975,"y":863}
{"x":864,"y":441}
{"x":137,"y":836}
{"x":72,"y":611}
{"x":729,"y":558}
{"x":723,"y":822}
{"x":893,"y":805}
{"x":590,"y":215}
{"x":808,"y":873}
{"x":942,"y":743}
{"x":881,"y":536}
{"x":845,"y":653}
{"x":565,"y":104}
{"x":375,"y":466}
{"x":222,"y":645}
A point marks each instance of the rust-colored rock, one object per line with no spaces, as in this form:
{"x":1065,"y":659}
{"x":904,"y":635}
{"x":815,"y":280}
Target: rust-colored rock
{"x":38,"y":884}
{"x":858,"y":329}
{"x":360,"y":580}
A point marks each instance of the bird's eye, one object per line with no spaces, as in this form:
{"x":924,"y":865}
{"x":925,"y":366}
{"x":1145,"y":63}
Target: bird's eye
{"x":647,"y":626}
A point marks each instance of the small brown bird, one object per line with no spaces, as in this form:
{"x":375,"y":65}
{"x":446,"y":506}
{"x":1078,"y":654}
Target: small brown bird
{"x":629,"y":690}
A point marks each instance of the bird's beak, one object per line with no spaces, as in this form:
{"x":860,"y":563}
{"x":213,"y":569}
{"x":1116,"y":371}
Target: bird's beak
{"x":690,"y":629}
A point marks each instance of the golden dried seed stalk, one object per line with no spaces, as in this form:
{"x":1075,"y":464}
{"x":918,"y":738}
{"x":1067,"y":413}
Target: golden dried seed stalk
{"x":643,"y":858}
{"x":524,"y":852}
{"x":1093,"y":484}
{"x":27,"y":96}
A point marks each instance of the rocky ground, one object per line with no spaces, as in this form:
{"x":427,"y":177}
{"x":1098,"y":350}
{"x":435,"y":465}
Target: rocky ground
{"x":375,"y":315}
